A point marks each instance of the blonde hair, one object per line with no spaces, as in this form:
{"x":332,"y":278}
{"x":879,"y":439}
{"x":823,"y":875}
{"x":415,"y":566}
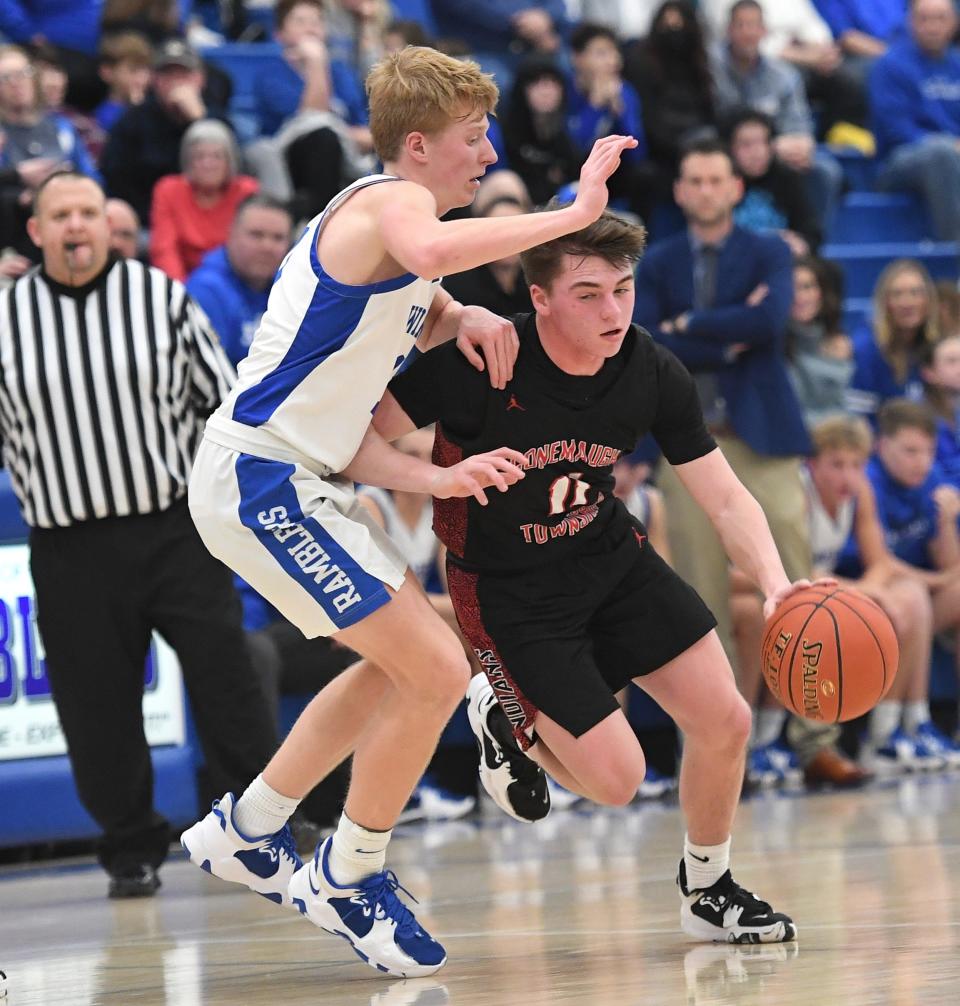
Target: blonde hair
{"x":840,"y":433}
{"x":421,"y":90}
{"x":882,"y":326}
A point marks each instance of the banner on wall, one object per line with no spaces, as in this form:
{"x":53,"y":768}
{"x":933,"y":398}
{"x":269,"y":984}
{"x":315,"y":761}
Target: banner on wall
{"x":29,"y":727}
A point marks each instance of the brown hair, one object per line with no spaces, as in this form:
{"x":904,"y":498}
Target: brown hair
{"x":421,"y":90}
{"x":840,"y":433}
{"x":126,"y":47}
{"x":883,"y":329}
{"x":609,"y":237}
{"x":898,"y":414}
{"x":283,"y":7}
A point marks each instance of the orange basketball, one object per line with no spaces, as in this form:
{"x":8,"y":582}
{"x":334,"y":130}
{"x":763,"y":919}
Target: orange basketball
{"x":829,"y":653}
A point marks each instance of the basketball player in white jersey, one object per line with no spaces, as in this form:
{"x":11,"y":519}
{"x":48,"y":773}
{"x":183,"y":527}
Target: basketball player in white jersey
{"x":272,"y":491}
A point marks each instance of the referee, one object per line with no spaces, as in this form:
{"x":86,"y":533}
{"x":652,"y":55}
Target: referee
{"x":107,"y":371}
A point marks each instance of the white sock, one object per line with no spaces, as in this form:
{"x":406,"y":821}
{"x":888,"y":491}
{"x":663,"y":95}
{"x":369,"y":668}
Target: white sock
{"x":262,"y":810}
{"x":356,"y":852}
{"x":767,"y":724}
{"x":884,"y":719}
{"x":705,"y":864}
{"x":914,"y":714}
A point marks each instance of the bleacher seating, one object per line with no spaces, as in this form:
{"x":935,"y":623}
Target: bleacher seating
{"x":880,"y":217}
{"x":243,"y":61}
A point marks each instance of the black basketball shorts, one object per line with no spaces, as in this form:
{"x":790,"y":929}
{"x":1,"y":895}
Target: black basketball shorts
{"x":566,"y":637}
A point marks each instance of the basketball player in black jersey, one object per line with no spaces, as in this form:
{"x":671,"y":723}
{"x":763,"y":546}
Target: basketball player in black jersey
{"x":555,"y":585}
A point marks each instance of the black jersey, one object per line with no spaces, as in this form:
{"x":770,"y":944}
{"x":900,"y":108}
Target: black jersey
{"x":571,"y":430}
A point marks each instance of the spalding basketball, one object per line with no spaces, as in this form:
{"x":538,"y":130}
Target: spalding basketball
{"x":829,"y":653}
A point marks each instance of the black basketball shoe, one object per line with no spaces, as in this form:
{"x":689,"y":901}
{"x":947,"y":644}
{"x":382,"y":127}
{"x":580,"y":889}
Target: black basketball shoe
{"x":516,"y":783}
{"x":134,"y":882}
{"x":725,"y":912}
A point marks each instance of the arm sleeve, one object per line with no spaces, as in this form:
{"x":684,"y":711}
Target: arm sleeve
{"x":795,"y":115}
{"x":759,"y":325}
{"x":211,"y":373}
{"x":441,"y":387}
{"x":678,"y":426}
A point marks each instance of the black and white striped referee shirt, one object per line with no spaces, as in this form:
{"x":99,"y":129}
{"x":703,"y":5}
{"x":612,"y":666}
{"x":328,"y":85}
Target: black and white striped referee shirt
{"x":103,"y":392}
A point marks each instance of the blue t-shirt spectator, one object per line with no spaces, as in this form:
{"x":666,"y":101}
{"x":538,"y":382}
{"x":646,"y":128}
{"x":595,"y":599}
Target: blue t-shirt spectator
{"x":948,"y":450}
{"x":587,"y":123}
{"x":908,"y":517}
{"x":883,"y":19}
{"x":70,"y":24}
{"x":53,"y":136}
{"x":913,"y":95}
{"x":234,"y":308}
{"x":873,"y":380}
{"x":278,"y":88}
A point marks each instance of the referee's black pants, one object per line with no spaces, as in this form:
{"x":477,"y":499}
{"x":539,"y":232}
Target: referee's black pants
{"x":102,"y":586}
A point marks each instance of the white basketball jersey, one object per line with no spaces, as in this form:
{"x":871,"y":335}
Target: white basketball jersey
{"x":321,"y":358}
{"x":828,"y":535}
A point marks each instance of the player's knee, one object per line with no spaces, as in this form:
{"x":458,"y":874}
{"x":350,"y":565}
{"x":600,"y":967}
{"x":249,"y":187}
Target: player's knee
{"x":620,"y":783}
{"x":448,"y":678}
{"x":728,"y":729}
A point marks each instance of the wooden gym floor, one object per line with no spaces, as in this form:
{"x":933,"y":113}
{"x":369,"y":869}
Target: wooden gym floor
{"x":578,"y":909}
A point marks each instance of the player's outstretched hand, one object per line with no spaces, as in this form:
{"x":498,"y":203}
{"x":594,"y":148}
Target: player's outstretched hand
{"x":777,"y":598}
{"x":604,"y":159}
{"x":500,"y":468}
{"x":480,"y":329}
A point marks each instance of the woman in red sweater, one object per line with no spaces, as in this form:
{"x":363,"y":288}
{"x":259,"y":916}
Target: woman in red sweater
{"x":192,"y":212}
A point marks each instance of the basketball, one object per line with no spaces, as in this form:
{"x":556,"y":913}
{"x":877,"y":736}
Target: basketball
{"x":829,"y":653}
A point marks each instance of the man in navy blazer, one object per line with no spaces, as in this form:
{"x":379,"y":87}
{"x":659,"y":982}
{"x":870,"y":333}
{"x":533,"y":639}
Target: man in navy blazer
{"x":719,"y":297}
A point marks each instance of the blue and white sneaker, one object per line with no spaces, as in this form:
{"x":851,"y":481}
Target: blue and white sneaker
{"x":931,"y":741}
{"x":369,"y":916}
{"x":897,"y":754}
{"x":265,"y":865}
{"x":655,"y":784}
{"x":760,"y":769}
{"x":785,"y":762}
{"x":433,"y":803}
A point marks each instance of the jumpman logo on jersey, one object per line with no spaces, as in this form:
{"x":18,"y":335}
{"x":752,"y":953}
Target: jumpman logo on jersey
{"x":514,"y":404}
{"x":641,"y":538}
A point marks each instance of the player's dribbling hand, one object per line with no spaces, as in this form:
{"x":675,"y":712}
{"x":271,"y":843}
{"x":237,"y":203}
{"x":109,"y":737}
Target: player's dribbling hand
{"x":500,"y":468}
{"x":777,"y":598}
{"x":604,"y":159}
{"x":480,"y":329}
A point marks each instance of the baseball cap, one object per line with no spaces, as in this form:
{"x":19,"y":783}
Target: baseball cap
{"x":176,"y":52}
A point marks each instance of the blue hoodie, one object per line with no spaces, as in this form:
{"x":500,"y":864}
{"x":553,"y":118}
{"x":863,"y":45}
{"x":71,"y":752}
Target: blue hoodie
{"x":913,"y":95}
{"x":234,"y":309}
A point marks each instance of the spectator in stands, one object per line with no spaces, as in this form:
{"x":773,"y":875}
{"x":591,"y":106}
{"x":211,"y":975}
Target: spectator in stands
{"x":401,"y":33}
{"x":498,"y":286}
{"x":72,"y":27}
{"x":864,"y":28}
{"x":52,"y":77}
{"x":915,"y":100}
{"x":798,"y":35}
{"x":312,"y":111}
{"x":918,"y":511}
{"x":191,"y":213}
{"x":671,"y":72}
{"x":144,"y":145}
{"x":820,"y":354}
{"x":233,"y":282}
{"x":774,"y":194}
{"x":940,"y":372}
{"x":356,"y":32}
{"x":498,"y":33}
{"x":538,"y":142}
{"x":887,"y":351}
{"x":601,"y":102}
{"x":29,"y":130}
{"x":158,"y":20}
{"x":630,"y":19}
{"x":744,"y":77}
{"x":495,"y":185}
{"x":124,"y":227}
{"x":124,"y":65}
{"x":113,"y":551}
{"x":719,"y":297}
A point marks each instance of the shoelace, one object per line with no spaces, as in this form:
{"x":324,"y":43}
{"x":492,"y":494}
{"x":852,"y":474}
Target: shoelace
{"x":381,"y":889}
{"x":740,"y":895}
{"x":284,"y":843}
